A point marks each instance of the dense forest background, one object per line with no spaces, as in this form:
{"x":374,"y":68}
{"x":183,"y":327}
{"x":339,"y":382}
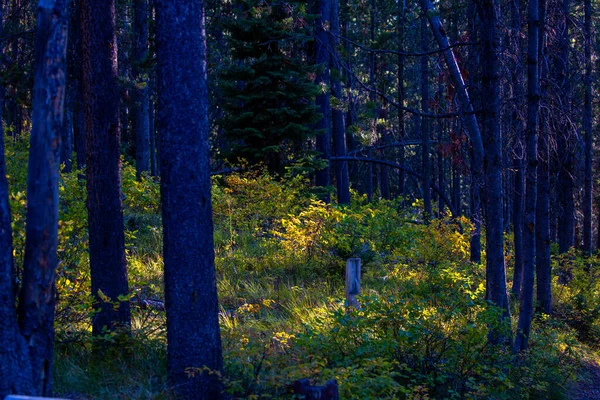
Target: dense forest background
{"x":183,"y":184}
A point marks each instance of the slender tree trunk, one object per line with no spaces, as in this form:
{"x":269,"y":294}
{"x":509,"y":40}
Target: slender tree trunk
{"x":514,"y":40}
{"x":587,"y":127}
{"x":75,"y":82}
{"x":529,"y":229}
{"x":425,"y":122}
{"x":141,"y":91}
{"x":518,"y":225}
{"x":193,"y":336}
{"x":495,"y":267}
{"x":322,"y":60}
{"x":542,"y":237}
{"x":401,"y":18}
{"x":566,"y":205}
{"x":153,"y":141}
{"x":339,"y":127}
{"x":104,"y":202}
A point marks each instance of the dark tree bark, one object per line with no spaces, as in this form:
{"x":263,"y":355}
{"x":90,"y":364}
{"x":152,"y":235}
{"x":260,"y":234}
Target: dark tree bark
{"x":322,"y":61}
{"x":566,"y":205}
{"x":337,"y":112}
{"x":529,"y":229}
{"x":153,"y":147}
{"x":587,"y":127}
{"x":476,"y":182}
{"x":104,"y":201}
{"x":15,"y":369}
{"x":75,"y":83}
{"x":490,"y":121}
{"x":542,"y":236}
{"x":515,"y":42}
{"x":517,"y":218}
{"x":26,"y":358}
{"x":401,"y":21}
{"x":141,"y":91}
{"x":425,"y":122}
{"x":193,"y":336}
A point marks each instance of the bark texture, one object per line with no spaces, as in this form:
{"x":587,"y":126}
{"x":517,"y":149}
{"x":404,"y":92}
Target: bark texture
{"x":193,"y":336}
{"x":104,"y":200}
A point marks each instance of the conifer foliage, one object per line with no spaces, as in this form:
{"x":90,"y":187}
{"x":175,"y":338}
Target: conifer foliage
{"x":268,"y":88}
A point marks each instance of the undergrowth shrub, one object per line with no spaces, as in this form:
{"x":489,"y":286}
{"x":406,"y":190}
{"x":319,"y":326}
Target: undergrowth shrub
{"x":421,"y":331}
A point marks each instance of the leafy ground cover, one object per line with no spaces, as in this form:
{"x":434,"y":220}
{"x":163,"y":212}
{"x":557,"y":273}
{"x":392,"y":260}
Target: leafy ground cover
{"x":280,"y":254}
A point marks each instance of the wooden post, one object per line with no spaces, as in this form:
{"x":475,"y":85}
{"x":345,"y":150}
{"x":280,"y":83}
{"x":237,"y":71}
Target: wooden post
{"x":352,"y":282}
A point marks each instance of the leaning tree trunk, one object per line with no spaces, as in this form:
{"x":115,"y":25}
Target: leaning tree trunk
{"x":193,"y":338}
{"x":472,"y":126}
{"x":529,"y":228}
{"x":104,"y":201}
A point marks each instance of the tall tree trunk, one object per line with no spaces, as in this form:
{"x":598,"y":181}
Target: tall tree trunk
{"x":15,"y":369}
{"x":529,"y":229}
{"x":587,"y":127}
{"x":193,"y":336}
{"x":337,"y":112}
{"x":466,"y":106}
{"x":425,"y":122}
{"x":495,"y":267}
{"x":401,"y":21}
{"x":26,"y":358}
{"x":542,"y":236}
{"x":514,"y":40}
{"x":141,"y":91}
{"x":75,"y":82}
{"x":322,"y":61}
{"x":104,"y":202}
{"x":566,"y":205}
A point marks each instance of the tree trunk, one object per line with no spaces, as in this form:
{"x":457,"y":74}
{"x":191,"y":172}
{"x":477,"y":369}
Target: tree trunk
{"x":193,"y":336}
{"x":477,"y":152}
{"x":495,"y":267}
{"x":339,"y":127}
{"x":104,"y":201}
{"x":514,"y":40}
{"x":141,"y":91}
{"x":26,"y":358}
{"x":542,"y":236}
{"x":566,"y":205}
{"x":587,"y":127}
{"x":401,"y":18}
{"x":529,"y":228}
{"x":322,"y":61}
{"x":75,"y":83}
{"x":425,"y":122}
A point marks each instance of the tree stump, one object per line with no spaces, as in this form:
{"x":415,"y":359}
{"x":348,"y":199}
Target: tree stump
{"x":352,"y":282}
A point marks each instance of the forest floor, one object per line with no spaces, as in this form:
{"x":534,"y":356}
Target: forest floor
{"x":588,"y":386}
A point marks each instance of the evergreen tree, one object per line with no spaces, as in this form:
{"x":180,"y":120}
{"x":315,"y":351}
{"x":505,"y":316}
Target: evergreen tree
{"x":268,"y":89}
